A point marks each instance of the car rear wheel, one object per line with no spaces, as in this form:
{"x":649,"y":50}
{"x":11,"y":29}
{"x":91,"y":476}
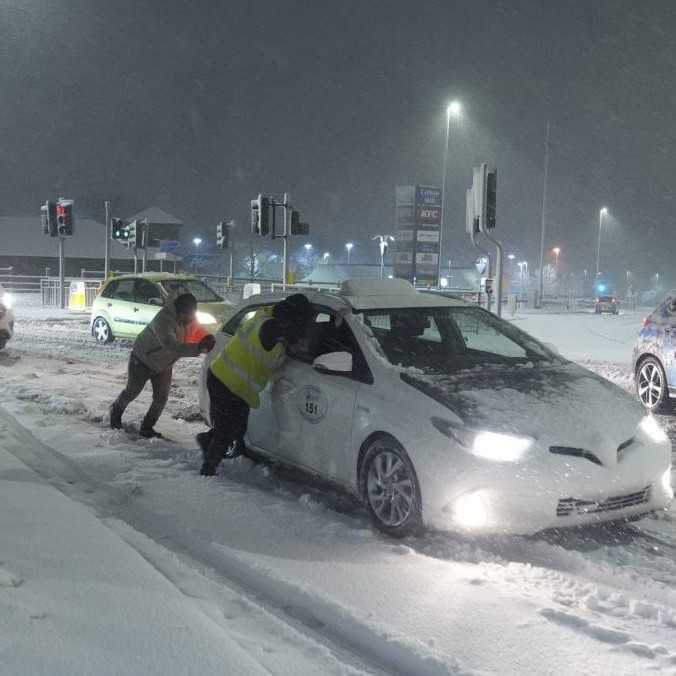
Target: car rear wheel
{"x":651,"y":385}
{"x":390,"y":488}
{"x":101,"y":331}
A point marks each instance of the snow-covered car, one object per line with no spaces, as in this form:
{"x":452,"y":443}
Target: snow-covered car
{"x":127,"y":303}
{"x":655,"y":357}
{"x":6,"y":317}
{"x":607,"y":304}
{"x":435,"y":412}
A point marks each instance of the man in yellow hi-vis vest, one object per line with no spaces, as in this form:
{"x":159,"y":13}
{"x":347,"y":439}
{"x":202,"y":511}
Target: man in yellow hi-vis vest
{"x":243,"y":369}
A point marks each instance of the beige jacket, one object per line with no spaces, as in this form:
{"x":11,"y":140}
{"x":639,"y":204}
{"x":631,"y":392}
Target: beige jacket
{"x":160,"y":344}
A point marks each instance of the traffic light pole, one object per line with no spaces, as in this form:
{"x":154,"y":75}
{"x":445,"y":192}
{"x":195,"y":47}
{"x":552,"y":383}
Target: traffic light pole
{"x":285,"y":241}
{"x":62,"y":274}
{"x":106,"y":261}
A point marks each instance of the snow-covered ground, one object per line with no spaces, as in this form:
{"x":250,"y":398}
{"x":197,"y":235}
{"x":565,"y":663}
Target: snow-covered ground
{"x":117,"y":557}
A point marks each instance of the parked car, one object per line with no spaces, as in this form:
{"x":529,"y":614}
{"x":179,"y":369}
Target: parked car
{"x":608,"y":304}
{"x":436,"y":412}
{"x":6,"y":317}
{"x":127,"y":303}
{"x":654,"y":357}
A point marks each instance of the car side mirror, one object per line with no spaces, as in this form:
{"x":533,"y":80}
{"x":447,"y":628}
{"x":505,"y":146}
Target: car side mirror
{"x":333,"y":363}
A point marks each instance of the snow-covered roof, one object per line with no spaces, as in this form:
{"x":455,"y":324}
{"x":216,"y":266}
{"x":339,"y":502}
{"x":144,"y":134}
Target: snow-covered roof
{"x":22,"y":236}
{"x":157,"y":216}
{"x":329,"y":273}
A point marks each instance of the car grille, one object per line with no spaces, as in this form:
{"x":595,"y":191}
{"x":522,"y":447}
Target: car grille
{"x":569,"y":506}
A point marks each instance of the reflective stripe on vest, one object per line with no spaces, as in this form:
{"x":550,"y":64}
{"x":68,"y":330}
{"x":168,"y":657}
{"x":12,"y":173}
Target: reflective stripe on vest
{"x":245,"y":366}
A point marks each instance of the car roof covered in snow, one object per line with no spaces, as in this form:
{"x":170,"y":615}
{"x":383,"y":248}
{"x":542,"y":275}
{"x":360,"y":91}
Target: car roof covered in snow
{"x":365,"y":295}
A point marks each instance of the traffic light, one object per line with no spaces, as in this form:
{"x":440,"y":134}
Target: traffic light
{"x":64,"y":218}
{"x":260,"y":216}
{"x":491,"y":198}
{"x":48,"y":218}
{"x":223,"y":235}
{"x":298,"y":228}
{"x":118,"y":231}
{"x":131,"y":235}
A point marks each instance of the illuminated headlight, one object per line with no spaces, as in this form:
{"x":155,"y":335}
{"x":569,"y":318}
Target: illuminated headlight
{"x":666,"y":483}
{"x":7,"y":300}
{"x":651,"y":428}
{"x":487,"y":445}
{"x":500,"y":447}
{"x":470,"y":511}
{"x":205,"y":317}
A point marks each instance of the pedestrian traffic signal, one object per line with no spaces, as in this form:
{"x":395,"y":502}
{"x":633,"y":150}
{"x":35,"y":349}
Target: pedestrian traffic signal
{"x":260,"y":216}
{"x":298,"y":228}
{"x":64,"y":218}
{"x":119,"y":231}
{"x":48,"y":218}
{"x":131,"y":235}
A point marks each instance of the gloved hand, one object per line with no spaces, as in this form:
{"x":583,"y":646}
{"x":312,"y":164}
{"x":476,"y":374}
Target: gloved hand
{"x":207,"y":343}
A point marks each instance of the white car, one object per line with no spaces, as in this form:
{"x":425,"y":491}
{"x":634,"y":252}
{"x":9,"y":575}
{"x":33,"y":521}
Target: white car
{"x":435,"y":412}
{"x":6,"y":317}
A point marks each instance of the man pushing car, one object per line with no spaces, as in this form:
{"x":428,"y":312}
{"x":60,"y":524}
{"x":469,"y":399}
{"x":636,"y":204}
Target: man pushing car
{"x":243,"y":369}
{"x":161,"y":343}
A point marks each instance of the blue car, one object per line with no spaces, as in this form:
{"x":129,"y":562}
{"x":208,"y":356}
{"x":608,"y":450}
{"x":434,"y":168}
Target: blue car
{"x":655,"y":357}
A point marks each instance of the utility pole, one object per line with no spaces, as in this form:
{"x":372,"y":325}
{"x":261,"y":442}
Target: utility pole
{"x":544,"y":218}
{"x":62,"y":273}
{"x":285,"y":240}
{"x":106,"y":262}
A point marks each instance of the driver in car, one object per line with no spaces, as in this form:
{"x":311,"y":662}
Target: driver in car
{"x":245,"y":366}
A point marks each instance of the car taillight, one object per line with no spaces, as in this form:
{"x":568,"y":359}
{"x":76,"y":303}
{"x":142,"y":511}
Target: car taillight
{"x":647,"y":321}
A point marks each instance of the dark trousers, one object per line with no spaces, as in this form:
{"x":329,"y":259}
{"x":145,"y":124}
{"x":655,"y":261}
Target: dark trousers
{"x":229,"y":418}
{"x":138,"y":374}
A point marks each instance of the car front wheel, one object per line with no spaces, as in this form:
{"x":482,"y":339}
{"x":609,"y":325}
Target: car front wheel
{"x":390,"y":488}
{"x":651,"y":385}
{"x":101,"y":331}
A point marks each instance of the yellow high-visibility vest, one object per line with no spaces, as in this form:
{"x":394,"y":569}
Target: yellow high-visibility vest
{"x":245,"y":366}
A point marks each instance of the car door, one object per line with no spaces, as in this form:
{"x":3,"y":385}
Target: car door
{"x":120,"y":308}
{"x":314,"y":411}
{"x":148,"y":301}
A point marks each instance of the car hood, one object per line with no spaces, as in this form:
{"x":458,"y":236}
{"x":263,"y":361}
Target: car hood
{"x":555,"y":404}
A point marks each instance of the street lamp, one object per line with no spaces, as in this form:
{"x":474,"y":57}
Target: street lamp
{"x":556,"y":251}
{"x":308,"y":247}
{"x":197,"y":241}
{"x":349,"y":246}
{"x":325,"y":257}
{"x":602,"y":213}
{"x":453,"y":112}
{"x":383,"y":241}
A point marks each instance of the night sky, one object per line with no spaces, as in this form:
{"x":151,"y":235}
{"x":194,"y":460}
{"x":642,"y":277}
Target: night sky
{"x":198,"y":106}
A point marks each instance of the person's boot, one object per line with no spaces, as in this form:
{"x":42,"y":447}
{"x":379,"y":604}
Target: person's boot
{"x":149,"y":433}
{"x":212,"y":458}
{"x":115,"y":417}
{"x":203,"y":439}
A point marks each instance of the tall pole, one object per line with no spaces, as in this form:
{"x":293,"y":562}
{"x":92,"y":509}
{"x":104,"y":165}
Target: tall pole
{"x":285,"y":240}
{"x":62,"y":274}
{"x":443,"y":192}
{"x":543,"y":226}
{"x":598,"y":246}
{"x":106,"y":262}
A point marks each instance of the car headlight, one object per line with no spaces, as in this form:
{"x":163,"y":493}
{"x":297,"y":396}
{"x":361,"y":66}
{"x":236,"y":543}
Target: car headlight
{"x":471,"y":511}
{"x":666,"y":482}
{"x":205,"y":317}
{"x":7,"y":300}
{"x":487,"y":445}
{"x":651,"y":428}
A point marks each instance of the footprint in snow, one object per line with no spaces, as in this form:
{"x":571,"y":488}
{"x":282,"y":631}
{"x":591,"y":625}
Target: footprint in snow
{"x":9,"y":579}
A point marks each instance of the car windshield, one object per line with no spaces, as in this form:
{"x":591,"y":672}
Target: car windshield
{"x":175,"y":287}
{"x":606,"y":299}
{"x":449,"y":339}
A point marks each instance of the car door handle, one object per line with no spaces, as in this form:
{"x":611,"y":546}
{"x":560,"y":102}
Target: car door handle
{"x":135,"y":309}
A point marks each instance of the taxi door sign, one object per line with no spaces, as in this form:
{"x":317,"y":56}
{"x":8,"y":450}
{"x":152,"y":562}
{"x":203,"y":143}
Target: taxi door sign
{"x":313,"y":404}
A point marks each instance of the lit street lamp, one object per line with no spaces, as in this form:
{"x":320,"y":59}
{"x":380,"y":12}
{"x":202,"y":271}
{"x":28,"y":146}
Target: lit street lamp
{"x":197,"y":241}
{"x":349,"y":246}
{"x":453,"y":111}
{"x":556,"y":251}
{"x":383,"y":241}
{"x":325,"y":257}
{"x":602,"y":213}
{"x":307,"y":247}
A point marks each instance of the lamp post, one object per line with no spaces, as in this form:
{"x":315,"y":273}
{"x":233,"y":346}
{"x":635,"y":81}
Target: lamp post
{"x":602,"y":213}
{"x":325,"y":257}
{"x":383,"y":241}
{"x":308,"y":247}
{"x":556,"y":251}
{"x":349,"y":246}
{"x":453,"y":111}
{"x":196,"y":242}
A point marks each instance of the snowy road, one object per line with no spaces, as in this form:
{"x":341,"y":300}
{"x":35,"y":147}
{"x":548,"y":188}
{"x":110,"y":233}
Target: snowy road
{"x":304,"y":562}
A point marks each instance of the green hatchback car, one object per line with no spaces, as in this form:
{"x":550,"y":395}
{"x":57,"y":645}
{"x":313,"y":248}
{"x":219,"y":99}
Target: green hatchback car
{"x":127,"y":303}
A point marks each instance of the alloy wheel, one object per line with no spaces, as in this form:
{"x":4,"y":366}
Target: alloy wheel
{"x":650,"y":384}
{"x":390,"y":488}
{"x":101,"y":330}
